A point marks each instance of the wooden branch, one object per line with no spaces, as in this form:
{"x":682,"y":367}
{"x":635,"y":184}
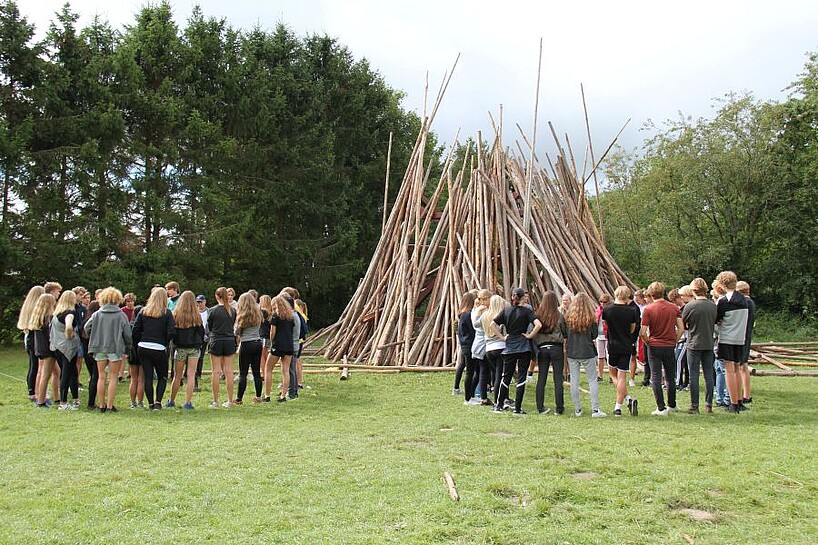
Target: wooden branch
{"x":450,"y":484}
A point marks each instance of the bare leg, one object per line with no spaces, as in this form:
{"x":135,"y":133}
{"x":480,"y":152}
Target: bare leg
{"x":113,"y":379}
{"x":216,"y":364}
{"x":191,"y":379}
{"x":101,"y":365}
{"x":178,"y":366}
{"x":46,"y":365}
{"x":285,"y":376}
{"x":731,"y":373}
{"x":227,"y":369}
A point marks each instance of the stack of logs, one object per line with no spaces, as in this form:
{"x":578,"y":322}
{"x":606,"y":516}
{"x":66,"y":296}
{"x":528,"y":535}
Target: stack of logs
{"x":792,"y":359}
{"x":491,"y":220}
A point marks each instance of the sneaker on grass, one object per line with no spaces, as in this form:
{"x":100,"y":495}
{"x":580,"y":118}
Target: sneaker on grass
{"x":657,"y":412}
{"x":598,"y":414}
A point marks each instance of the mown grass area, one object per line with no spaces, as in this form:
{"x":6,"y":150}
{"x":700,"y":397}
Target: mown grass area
{"x":362,"y":461}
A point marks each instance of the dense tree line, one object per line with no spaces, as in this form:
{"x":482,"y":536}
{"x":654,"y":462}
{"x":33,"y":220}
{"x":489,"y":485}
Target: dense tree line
{"x":738,"y":191}
{"x":203,"y":154}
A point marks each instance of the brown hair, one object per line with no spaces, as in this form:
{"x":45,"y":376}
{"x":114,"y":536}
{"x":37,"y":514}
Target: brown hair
{"x":282,"y":308}
{"x":549,"y":311}
{"x":248,"y":313}
{"x":604,"y":299}
{"x":52,"y":286}
{"x":185,"y":313}
{"x":172,"y":286}
{"x":221,"y":298}
{"x":699,"y":286}
{"x":656,"y":290}
{"x":467,"y":302}
{"x":265,"y":302}
{"x":292,"y":292}
{"x":581,"y":314}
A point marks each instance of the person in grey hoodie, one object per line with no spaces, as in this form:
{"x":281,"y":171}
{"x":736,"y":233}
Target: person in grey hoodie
{"x":109,"y":340}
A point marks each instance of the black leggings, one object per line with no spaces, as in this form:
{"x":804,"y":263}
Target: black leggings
{"x":519,"y":361}
{"x":550,"y":355}
{"x":250,"y":356}
{"x":494,"y":367}
{"x":472,"y":370}
{"x":465,"y":356}
{"x":33,"y":365}
{"x":93,"y":373}
{"x":154,"y":360}
{"x":68,"y":377}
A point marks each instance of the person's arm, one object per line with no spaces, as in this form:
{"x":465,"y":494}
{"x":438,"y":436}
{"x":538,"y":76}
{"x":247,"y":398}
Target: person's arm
{"x":89,"y":325}
{"x":644,"y":334}
{"x":69,"y":326}
{"x":126,"y":335}
{"x":537,"y":326}
{"x":680,"y":328}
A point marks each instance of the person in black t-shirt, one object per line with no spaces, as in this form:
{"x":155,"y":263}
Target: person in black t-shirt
{"x":517,"y":353}
{"x":622,"y":321}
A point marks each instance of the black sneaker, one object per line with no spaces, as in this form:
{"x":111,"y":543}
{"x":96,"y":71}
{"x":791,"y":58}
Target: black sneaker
{"x":733,"y":409}
{"x":742,"y":407}
{"x":266,"y":399}
{"x":103,"y":409}
{"x":282,"y":399}
{"x":113,"y":410}
{"x":634,"y":407}
{"x":617,"y":412}
{"x":747,"y":400}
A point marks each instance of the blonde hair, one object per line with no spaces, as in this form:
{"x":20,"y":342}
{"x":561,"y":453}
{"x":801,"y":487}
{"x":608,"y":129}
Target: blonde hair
{"x":581,"y":314}
{"x":292,"y":292}
{"x":42,"y":312}
{"x":604,"y":299}
{"x":686,"y":291}
{"x":282,"y":308}
{"x":185,"y":313}
{"x":743,"y":287}
{"x":157,"y":305}
{"x":265,"y":302}
{"x":28,"y":305}
{"x":67,"y":301}
{"x":301,"y":307}
{"x":727,"y":279}
{"x":496,"y":305}
{"x":248,"y":313}
{"x":622,"y":293}
{"x":656,"y":290}
{"x":110,"y":296}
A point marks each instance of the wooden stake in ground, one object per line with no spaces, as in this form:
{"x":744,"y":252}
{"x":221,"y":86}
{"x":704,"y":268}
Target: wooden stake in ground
{"x":452,"y":488}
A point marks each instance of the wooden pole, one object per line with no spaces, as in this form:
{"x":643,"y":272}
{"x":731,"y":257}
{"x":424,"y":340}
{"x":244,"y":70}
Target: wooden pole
{"x":386,"y":185}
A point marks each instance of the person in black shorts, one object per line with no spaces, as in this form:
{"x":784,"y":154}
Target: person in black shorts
{"x":281,"y":347}
{"x":622,"y":320}
{"x":221,"y":321}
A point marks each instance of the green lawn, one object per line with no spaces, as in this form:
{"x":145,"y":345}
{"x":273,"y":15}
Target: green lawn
{"x":363,"y":461}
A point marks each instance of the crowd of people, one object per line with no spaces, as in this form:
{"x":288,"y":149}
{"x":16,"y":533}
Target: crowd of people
{"x":169,"y":335}
{"x":676,"y":337}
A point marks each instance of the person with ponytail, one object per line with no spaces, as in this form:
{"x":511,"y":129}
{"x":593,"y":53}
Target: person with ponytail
{"x":221,"y":322}
{"x":248,"y":322}
{"x":65,"y":344}
{"x":187,"y":343}
{"x":495,"y":344}
{"x":153,"y":331}
{"x":517,"y":354}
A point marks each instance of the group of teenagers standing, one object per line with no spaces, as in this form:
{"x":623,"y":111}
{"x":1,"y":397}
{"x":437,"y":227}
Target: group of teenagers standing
{"x":499,"y":338}
{"x":172,"y":331}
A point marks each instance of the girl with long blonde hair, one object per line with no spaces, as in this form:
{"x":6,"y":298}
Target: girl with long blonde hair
{"x":28,"y":341}
{"x":153,"y":331}
{"x":187,"y":342}
{"x":221,"y":322}
{"x":495,"y":344}
{"x":39,"y":326}
{"x":581,"y":349}
{"x":281,"y":346}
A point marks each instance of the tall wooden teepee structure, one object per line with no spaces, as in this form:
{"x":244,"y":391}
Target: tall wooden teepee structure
{"x":492,"y":222}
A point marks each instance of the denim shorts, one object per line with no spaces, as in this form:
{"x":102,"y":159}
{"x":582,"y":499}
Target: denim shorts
{"x":100,"y":356}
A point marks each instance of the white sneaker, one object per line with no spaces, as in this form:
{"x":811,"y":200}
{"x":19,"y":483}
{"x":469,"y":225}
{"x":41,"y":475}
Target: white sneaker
{"x":672,"y":409}
{"x":227,"y":404}
{"x":214,"y":405}
{"x":530,"y":378}
{"x":578,"y":412}
{"x":63,"y":407}
{"x":474,"y":401}
{"x":457,"y":391}
{"x":632,"y":383}
{"x":598,"y":414}
{"x":657,"y":412}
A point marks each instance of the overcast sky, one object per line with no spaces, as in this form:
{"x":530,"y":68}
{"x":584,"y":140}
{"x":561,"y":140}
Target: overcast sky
{"x":637,"y":60}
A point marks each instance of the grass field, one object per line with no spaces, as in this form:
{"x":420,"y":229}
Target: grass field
{"x":363,"y":461}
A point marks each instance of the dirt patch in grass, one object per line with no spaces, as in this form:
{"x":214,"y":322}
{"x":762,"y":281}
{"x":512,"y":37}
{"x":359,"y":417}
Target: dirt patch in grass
{"x":697,"y":515}
{"x":584,"y":475}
